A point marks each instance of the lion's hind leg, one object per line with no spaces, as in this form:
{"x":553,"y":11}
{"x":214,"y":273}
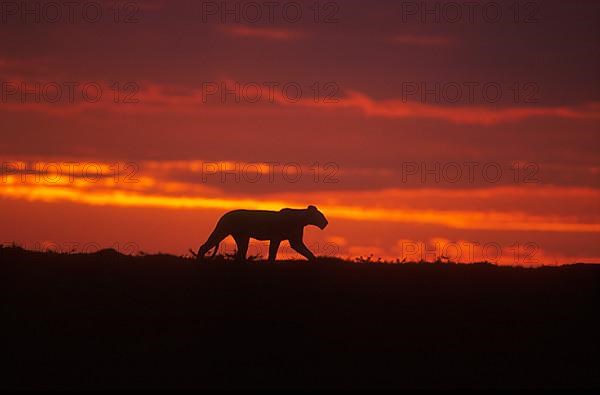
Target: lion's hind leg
{"x":273,"y":247}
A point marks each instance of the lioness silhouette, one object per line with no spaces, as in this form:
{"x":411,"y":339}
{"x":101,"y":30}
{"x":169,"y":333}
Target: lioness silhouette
{"x":275,"y":226}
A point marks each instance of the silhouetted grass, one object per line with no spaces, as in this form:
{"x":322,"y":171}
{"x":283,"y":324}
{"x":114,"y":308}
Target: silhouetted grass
{"x":229,"y":258}
{"x":106,"y":320}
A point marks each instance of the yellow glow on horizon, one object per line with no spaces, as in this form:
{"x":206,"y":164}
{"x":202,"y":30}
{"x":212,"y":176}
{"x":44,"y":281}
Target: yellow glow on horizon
{"x":481,"y":220}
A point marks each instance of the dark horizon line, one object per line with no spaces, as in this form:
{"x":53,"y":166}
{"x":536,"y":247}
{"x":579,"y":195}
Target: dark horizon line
{"x":228,"y":259}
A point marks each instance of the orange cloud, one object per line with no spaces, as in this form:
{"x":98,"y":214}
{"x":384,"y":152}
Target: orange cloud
{"x":572,"y":214}
{"x":457,"y":219}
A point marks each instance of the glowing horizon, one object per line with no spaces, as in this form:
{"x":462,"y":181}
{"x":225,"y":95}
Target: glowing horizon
{"x":398,"y":127}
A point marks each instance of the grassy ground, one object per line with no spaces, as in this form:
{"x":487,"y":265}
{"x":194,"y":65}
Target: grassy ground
{"x":105,"y":320}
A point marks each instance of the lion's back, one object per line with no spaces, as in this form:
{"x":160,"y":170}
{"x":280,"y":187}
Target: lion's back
{"x":243,"y":219}
{"x":261,"y":224}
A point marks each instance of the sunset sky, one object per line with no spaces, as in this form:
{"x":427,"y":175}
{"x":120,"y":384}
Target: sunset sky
{"x":420,"y":129}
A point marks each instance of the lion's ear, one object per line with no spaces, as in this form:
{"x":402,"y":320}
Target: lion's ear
{"x":312,"y":208}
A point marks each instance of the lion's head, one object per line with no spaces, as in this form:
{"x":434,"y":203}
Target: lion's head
{"x":315,"y":217}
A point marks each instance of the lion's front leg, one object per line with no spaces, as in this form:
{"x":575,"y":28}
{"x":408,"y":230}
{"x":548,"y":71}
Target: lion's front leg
{"x":302,"y":249}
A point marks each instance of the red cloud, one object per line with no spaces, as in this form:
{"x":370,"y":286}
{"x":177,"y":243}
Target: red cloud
{"x":262,"y":32}
{"x":153,"y":98}
{"x":473,"y":115}
{"x":423,"y":40}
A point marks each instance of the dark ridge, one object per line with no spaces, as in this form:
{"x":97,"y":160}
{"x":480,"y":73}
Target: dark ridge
{"x":107,"y":320}
{"x":16,"y":251}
